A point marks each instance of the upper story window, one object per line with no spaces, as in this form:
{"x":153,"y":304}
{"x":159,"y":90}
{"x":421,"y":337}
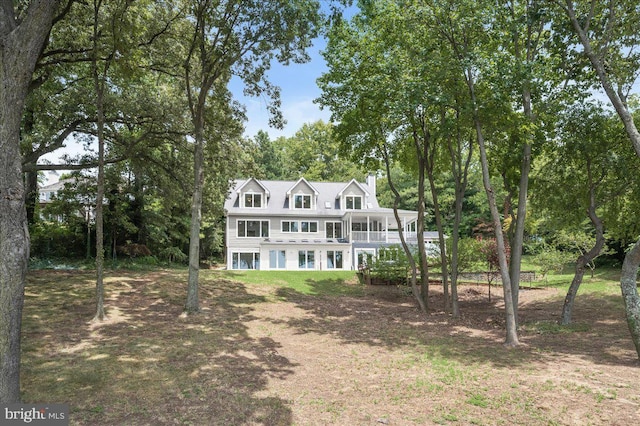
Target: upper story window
{"x":302,"y":201}
{"x":252,"y":199}
{"x":299,"y":226}
{"x":253,"y":228}
{"x":333,"y":229}
{"x":353,"y":202}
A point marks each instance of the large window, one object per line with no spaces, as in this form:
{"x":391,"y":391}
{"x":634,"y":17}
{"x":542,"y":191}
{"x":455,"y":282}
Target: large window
{"x":333,"y":229}
{"x":308,"y":226}
{"x":334,"y":259}
{"x":277,"y":259}
{"x":252,"y":200}
{"x":290,"y":226}
{"x":306,"y":259}
{"x":245,"y":261}
{"x":301,"y":201}
{"x":354,"y":202}
{"x":253,"y":228}
{"x":299,"y":226}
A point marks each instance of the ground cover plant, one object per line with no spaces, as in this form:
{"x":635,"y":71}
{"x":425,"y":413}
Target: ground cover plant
{"x":319,"y":348}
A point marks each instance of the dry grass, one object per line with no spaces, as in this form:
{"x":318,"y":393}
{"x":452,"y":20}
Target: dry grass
{"x":337,"y":354}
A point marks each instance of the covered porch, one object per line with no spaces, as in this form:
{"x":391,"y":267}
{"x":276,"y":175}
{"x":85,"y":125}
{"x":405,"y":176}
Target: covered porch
{"x":380,"y":226}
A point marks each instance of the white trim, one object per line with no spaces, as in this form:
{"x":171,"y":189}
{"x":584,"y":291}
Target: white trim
{"x":253,"y":194}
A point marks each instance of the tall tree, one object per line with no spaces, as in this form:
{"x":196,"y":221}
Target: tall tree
{"x":522,"y":26}
{"x":462,"y":25}
{"x":235,"y":37}
{"x":380,"y":97}
{"x":607,"y":33}
{"x":24,"y":28}
{"x":580,"y":174}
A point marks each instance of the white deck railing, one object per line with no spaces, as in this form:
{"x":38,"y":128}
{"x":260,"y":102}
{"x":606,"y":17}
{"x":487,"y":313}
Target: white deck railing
{"x":390,"y":237}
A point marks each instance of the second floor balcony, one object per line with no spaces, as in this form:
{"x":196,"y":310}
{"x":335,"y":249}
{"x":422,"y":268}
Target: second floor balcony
{"x":388,"y":237}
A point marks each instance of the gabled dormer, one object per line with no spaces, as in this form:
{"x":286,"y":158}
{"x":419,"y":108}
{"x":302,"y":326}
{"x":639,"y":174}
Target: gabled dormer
{"x":353,"y":197}
{"x":302,"y":196}
{"x":252,"y":195}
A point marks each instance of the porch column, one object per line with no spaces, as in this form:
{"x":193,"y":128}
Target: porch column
{"x":368,"y":230}
{"x":386,"y":229}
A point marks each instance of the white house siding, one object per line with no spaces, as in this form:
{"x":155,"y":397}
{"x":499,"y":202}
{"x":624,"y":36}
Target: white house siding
{"x":292,"y":242}
{"x":255,"y":238}
{"x":305,"y":256}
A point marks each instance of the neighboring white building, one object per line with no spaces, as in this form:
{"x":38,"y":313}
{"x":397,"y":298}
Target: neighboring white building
{"x":301,"y":225}
{"x":49,"y":192}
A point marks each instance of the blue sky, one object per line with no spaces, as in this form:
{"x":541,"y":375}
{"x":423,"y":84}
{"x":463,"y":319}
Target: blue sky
{"x":298,"y":90}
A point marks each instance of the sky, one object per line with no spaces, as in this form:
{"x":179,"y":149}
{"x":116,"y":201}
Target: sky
{"x":298,"y":90}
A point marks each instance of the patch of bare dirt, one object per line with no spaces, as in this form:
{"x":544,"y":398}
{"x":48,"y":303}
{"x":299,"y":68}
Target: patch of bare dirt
{"x":260,"y":355}
{"x":377,"y":360}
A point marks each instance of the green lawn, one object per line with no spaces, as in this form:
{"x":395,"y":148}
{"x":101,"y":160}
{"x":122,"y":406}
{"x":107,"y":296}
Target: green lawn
{"x":319,"y":283}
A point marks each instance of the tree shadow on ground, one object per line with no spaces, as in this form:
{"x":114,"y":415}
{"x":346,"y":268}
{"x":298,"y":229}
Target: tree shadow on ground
{"x":387,"y":316}
{"x":148,"y":363}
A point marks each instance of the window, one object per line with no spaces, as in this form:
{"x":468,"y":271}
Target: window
{"x":334,"y":259}
{"x":357,"y":226}
{"x":252,"y":200}
{"x":296,"y":226}
{"x":306,"y":259}
{"x":354,"y":202}
{"x":253,"y":228}
{"x":301,"y":201}
{"x":245,"y":261}
{"x":365,"y":256}
{"x":333,"y":229}
{"x":277,"y":259}
{"x":290,"y":226}
{"x":308,"y":226}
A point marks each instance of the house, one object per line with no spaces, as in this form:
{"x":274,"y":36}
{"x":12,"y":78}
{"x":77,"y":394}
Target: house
{"x":302,"y":225}
{"x":47,"y":194}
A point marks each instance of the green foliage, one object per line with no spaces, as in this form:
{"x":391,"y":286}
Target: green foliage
{"x":390,"y":266}
{"x":313,"y":152}
{"x":470,"y":254}
{"x":551,"y":259}
{"x":173,"y":254}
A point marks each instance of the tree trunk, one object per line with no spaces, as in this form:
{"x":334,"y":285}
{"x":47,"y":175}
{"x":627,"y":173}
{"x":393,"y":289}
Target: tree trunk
{"x":629,"y":275}
{"x":193,"y":305}
{"x":441,"y":242}
{"x":586,"y":258}
{"x":422,"y":255}
{"x":511,"y":326}
{"x":20,"y":44}
{"x":629,"y":287}
{"x":460,"y":172}
{"x":32,"y":195}
{"x":99,"y":86}
{"x":567,"y":307}
{"x":455,"y":239}
{"x":412,"y":263}
{"x":518,"y":238}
